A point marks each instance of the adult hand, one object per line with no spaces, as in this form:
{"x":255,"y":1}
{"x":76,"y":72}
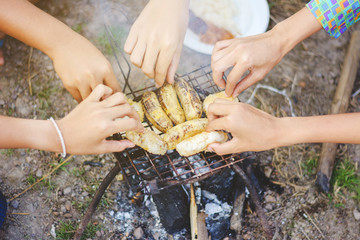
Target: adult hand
{"x":251,"y":128}
{"x":156,"y":38}
{"x":256,"y":54}
{"x":81,"y":67}
{"x":86,"y":128}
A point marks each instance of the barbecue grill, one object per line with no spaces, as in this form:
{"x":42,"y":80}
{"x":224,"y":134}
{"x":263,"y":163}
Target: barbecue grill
{"x":150,"y":173}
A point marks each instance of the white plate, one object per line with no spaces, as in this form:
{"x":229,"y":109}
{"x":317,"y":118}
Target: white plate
{"x":254,"y":19}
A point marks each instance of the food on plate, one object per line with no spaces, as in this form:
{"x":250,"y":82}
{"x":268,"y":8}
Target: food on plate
{"x":207,"y":32}
{"x":199,"y":142}
{"x":211,"y":98}
{"x":154,"y":113}
{"x":189,"y":99}
{"x":215,"y":20}
{"x":170,"y":104}
{"x":183,"y":131}
{"x":138,"y":108}
{"x":148,"y":140}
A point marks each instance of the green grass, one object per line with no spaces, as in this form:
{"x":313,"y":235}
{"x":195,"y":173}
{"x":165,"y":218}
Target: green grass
{"x":66,"y":230}
{"x":346,"y":180}
{"x":309,"y":166}
{"x":103,"y":41}
{"x":8,"y":152}
{"x":78,"y":28}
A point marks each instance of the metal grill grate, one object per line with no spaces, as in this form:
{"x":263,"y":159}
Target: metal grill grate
{"x":151,"y":173}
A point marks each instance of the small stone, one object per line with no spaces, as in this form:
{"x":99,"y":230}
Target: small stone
{"x":67,"y":190}
{"x":68,"y":205}
{"x":356,"y":214}
{"x":267,"y":171}
{"x":138,"y":233}
{"x":22,"y":107}
{"x":39,"y":173}
{"x":87,"y":168}
{"x":85,"y":194}
{"x":56,"y":214}
{"x":270,"y":198}
{"x":63,"y":208}
{"x":67,"y":215}
{"x":15,"y":204}
{"x":98,"y":234}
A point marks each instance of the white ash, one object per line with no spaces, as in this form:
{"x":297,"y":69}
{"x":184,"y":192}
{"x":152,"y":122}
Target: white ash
{"x":215,"y":209}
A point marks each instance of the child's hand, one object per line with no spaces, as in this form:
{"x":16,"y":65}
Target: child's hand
{"x":86,"y":127}
{"x":156,"y":38}
{"x":251,"y":128}
{"x":81,"y":67}
{"x":258,"y":54}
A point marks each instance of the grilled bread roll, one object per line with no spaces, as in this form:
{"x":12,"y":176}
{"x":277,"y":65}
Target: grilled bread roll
{"x":138,"y":108}
{"x":148,"y":140}
{"x":183,"y":131}
{"x":211,"y":98}
{"x":170,"y":103}
{"x":190,"y":100}
{"x":199,"y":142}
{"x":154,"y":113}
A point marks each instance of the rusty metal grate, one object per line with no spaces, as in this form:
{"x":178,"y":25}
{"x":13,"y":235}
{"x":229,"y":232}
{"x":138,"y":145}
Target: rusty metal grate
{"x":151,"y":173}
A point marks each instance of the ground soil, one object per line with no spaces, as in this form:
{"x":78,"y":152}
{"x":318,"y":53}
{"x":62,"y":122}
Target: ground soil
{"x":308,"y":74}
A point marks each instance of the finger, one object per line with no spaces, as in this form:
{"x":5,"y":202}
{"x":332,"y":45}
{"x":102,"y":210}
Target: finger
{"x":224,"y":148}
{"x":138,"y":53}
{"x":85,"y":92}
{"x":162,"y":66}
{"x":234,"y":77}
{"x":217,"y":55}
{"x":116,"y":146}
{"x":148,"y":66}
{"x":99,"y":92}
{"x":76,"y":94}
{"x":123,"y":110}
{"x":218,"y":69}
{"x":115,"y":99}
{"x":217,"y":124}
{"x":222,"y":44}
{"x":218,"y":109}
{"x":249,"y":80}
{"x":110,"y":80}
{"x":173,"y":66}
{"x":130,"y":41}
{"x":126,"y":124}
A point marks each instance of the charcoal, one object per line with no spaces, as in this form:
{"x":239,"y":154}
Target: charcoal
{"x":238,"y":208}
{"x":173,"y":207}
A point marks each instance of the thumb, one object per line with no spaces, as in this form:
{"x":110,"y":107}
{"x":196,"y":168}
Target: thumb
{"x":223,"y":148}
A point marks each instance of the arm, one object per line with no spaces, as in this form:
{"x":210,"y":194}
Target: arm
{"x":78,"y":63}
{"x":255,"y":130}
{"x":260,"y":53}
{"x":156,"y":38}
{"x":84,"y":130}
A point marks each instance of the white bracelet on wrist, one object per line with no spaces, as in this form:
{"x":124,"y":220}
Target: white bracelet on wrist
{"x":63,"y":154}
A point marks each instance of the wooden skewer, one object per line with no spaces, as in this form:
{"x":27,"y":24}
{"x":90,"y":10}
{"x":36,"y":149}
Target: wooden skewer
{"x":339,"y":105}
{"x":193,"y":214}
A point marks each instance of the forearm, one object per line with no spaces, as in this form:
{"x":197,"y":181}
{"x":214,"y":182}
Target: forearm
{"x":339,"y":128}
{"x":26,"y":133}
{"x":295,"y":29}
{"x":27,"y":23}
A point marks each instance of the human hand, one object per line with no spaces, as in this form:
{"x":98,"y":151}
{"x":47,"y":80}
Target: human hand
{"x":86,"y":128}
{"x":256,"y":54}
{"x":251,"y":128}
{"x":81,"y":67}
{"x":156,"y":38}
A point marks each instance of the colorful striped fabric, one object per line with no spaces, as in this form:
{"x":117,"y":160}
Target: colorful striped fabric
{"x":335,"y":15}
